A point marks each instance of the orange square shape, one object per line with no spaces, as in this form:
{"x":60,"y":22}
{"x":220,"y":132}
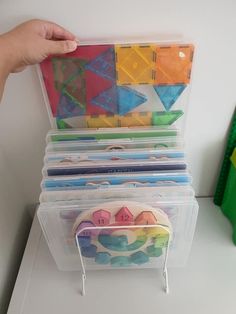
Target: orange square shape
{"x":173,"y":64}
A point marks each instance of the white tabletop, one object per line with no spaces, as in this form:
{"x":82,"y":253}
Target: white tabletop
{"x":206,"y":285}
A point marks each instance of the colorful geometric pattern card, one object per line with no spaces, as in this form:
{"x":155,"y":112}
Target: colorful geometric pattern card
{"x":118,"y":85}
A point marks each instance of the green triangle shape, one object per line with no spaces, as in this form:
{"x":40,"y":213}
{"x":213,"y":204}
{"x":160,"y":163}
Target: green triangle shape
{"x":61,"y":124}
{"x":66,"y":70}
{"x":165,"y":118}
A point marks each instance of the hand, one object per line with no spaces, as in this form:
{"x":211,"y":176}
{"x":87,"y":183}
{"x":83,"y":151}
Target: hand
{"x":33,"y":41}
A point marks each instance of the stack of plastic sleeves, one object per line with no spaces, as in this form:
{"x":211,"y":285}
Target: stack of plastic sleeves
{"x":116,"y":190}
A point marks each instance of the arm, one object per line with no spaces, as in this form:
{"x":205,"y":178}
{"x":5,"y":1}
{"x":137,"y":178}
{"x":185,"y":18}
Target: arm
{"x":30,"y":43}
{"x":4,"y":66}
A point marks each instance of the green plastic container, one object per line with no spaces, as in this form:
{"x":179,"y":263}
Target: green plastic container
{"x":229,"y":200}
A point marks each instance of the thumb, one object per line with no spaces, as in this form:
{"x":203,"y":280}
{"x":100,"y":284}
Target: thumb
{"x":60,"y":46}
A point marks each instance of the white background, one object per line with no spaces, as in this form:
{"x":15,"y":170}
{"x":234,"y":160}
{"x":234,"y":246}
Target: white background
{"x":210,"y":24}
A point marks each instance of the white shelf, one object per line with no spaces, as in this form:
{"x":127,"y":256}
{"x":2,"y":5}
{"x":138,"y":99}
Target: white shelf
{"x":206,"y":285}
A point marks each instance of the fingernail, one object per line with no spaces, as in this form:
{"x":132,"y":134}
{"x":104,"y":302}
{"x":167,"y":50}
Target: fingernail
{"x":71,"y":45}
{"x":77,"y":41}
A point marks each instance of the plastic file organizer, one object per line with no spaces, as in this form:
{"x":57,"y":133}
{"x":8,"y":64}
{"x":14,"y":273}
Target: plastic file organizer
{"x":117,"y":193}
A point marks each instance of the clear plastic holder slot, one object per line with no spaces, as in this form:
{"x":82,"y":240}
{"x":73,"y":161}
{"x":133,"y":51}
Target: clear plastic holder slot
{"x":119,"y":179}
{"x":103,"y":167}
{"x":166,"y":192}
{"x":62,"y":220}
{"x":115,"y":145}
{"x":91,"y":135}
{"x":114,"y":155}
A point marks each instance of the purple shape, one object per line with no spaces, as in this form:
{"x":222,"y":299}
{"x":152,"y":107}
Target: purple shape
{"x":68,"y":109}
{"x":104,"y":65}
{"x":84,"y":241}
{"x":107,"y":100}
{"x":89,"y":251}
{"x":87,"y":232}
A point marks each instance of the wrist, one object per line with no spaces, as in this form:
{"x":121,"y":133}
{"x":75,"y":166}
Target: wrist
{"x":7,"y":62}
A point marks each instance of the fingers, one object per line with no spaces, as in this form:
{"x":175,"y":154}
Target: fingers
{"x":60,"y":47}
{"x":54,"y":31}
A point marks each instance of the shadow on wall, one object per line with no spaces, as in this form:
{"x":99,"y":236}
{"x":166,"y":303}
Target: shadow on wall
{"x":15,"y":257}
{"x":15,"y":222}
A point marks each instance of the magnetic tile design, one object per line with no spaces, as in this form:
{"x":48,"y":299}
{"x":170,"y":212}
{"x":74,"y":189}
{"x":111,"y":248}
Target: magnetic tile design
{"x":165,"y":118}
{"x":93,"y":90}
{"x":129,"y":99}
{"x":136,"y":119}
{"x":65,"y":70}
{"x":135,"y":64}
{"x":104,"y":65}
{"x":168,"y":94}
{"x":108,"y":121}
{"x":107,"y":100}
{"x":173,"y":64}
{"x":68,"y":108}
{"x":73,"y":122}
{"x":61,"y":124}
{"x":122,"y":85}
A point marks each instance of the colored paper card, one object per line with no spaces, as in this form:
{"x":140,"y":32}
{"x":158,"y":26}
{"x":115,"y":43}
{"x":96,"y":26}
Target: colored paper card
{"x":104,"y":64}
{"x":135,"y":64}
{"x":168,"y":94}
{"x":165,"y":118}
{"x":107,"y":100}
{"x":68,"y":108}
{"x":174,"y":64}
{"x":128,"y":99}
{"x":136,"y":119}
{"x":102,"y":121}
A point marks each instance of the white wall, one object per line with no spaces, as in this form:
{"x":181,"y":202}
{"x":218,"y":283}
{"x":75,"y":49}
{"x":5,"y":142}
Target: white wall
{"x":210,"y":24}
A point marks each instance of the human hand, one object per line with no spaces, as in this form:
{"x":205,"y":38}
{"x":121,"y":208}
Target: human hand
{"x":33,"y":41}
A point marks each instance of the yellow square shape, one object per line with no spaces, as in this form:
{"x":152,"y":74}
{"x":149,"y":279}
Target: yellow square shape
{"x":136,"y":119}
{"x":135,"y":64}
{"x":102,"y":121}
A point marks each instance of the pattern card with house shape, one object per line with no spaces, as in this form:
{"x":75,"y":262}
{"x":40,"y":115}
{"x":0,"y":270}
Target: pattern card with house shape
{"x":124,"y":216}
{"x":123,"y":243}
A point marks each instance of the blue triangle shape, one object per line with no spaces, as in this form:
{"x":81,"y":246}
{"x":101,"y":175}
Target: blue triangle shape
{"x":168,"y":94}
{"x":104,"y":65}
{"x":128,"y":99}
{"x":68,"y":109}
{"x":107,"y":100}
